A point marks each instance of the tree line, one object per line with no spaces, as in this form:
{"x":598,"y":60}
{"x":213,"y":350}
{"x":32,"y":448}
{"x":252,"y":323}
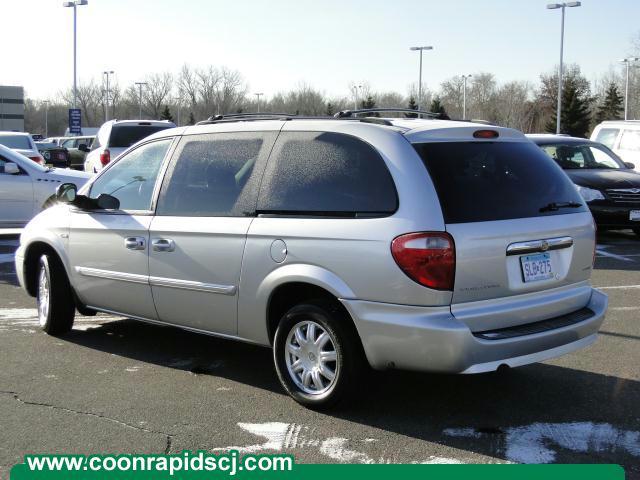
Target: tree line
{"x":193,"y":94}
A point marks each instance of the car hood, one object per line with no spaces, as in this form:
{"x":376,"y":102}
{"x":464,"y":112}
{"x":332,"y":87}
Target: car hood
{"x":603,"y":179}
{"x":67,"y":175}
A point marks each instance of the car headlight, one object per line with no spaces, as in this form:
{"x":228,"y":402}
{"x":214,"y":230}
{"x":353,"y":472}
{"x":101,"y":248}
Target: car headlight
{"x":589,"y":194}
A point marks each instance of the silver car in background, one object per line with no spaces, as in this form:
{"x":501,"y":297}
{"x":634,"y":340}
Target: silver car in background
{"x":340,"y":243}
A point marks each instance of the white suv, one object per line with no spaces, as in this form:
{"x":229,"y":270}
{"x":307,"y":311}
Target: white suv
{"x":115,"y":136}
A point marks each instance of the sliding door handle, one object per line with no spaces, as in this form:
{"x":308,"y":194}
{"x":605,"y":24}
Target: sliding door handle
{"x":163,"y":245}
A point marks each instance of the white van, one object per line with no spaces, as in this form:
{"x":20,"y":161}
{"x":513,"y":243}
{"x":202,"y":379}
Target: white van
{"x":623,"y":137}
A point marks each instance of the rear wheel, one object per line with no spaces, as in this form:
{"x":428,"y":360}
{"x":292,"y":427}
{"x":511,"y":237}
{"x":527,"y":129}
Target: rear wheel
{"x":56,"y":308}
{"x":316,"y":355}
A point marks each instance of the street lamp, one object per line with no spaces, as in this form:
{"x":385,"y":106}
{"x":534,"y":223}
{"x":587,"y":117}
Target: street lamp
{"x":355,"y":96}
{"x":554,"y":6}
{"x":140,"y":85}
{"x":464,"y":95}
{"x":46,"y":118}
{"x":258,"y":99}
{"x":74,"y":4}
{"x":179,"y":103}
{"x":420,"y":49}
{"x":627,"y":61}
{"x":106,"y":74}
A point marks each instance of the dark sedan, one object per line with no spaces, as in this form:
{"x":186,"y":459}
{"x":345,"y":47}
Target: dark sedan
{"x":53,"y":154}
{"x":610,"y":186}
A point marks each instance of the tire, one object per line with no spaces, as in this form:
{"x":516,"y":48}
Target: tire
{"x":308,"y":379}
{"x":56,"y":308}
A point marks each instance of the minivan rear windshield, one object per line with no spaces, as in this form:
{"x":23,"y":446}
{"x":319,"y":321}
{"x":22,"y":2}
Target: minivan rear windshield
{"x":19,"y":142}
{"x":124,"y":136}
{"x":485,"y":181}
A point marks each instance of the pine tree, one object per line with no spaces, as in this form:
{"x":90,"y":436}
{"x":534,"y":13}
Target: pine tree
{"x":166,"y":114}
{"x":192,"y":119}
{"x":437,"y":107}
{"x":612,"y":106}
{"x":370,"y":102}
{"x":330,"y":109}
{"x":413,"y":106}
{"x":576,"y":111}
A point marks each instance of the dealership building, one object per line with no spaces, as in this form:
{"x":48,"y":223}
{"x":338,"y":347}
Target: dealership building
{"x":11,"y":108}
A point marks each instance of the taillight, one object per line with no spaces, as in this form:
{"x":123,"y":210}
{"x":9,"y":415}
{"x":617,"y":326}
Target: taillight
{"x":428,"y":258}
{"x":37,"y":159}
{"x":105,"y":157}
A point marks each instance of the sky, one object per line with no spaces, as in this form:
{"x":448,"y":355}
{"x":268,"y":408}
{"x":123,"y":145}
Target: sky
{"x":328,"y":44}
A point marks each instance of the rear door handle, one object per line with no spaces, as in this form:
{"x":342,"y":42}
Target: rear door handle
{"x":163,"y":245}
{"x":135,"y":243}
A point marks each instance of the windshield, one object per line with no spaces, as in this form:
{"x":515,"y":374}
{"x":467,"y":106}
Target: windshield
{"x":20,"y":142}
{"x":126,"y":135}
{"x":486,"y":181}
{"x":574,"y":157}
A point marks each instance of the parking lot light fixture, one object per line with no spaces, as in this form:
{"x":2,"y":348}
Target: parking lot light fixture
{"x":561,"y":6}
{"x":258,"y":94}
{"x":73,"y":5}
{"x":106,"y":74}
{"x":627,"y":61}
{"x":464,"y":95}
{"x":140,"y":85}
{"x":420,"y":49}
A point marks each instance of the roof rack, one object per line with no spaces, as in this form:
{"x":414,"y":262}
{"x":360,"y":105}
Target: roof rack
{"x":234,"y":117}
{"x":353,"y":113}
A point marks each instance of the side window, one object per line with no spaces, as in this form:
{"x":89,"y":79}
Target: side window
{"x":132,"y":178}
{"x":630,"y":140}
{"x":68,"y":143}
{"x":607,"y":136}
{"x":215,"y":175}
{"x":326,"y":173}
{"x":3,"y":162}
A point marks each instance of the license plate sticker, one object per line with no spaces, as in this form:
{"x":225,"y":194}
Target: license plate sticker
{"x":634,"y":215}
{"x":536,"y":267}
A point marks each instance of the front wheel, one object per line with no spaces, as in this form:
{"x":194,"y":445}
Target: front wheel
{"x":316,"y":355}
{"x":56,"y":307}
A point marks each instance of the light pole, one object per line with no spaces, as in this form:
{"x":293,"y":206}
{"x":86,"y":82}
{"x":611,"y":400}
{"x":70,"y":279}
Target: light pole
{"x":627,"y":62}
{"x":355,"y":96}
{"x":258,"y":99}
{"x":140,"y":85}
{"x":106,"y":74}
{"x":464,"y":95}
{"x":179,"y":103}
{"x":554,"y":6}
{"x":46,"y":118}
{"x":75,"y":4}
{"x":420,"y":49}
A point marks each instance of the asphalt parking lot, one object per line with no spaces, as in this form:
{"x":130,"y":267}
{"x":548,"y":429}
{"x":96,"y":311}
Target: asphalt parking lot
{"x":115,"y":385}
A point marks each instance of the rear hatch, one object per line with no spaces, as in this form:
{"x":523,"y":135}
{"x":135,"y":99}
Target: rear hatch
{"x":524,"y":239}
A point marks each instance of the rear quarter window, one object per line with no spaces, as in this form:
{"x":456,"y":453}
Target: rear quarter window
{"x":607,"y":136}
{"x":630,"y":140}
{"x":326,"y":173}
{"x":486,"y":181}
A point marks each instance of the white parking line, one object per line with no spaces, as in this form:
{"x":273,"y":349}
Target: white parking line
{"x":619,"y":287}
{"x":603,"y":253}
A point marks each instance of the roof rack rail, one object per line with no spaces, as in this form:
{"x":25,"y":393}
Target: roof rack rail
{"x":232,"y":117}
{"x":353,"y":113}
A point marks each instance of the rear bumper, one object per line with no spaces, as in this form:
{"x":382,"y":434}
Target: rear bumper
{"x":614,"y":216}
{"x":432,"y":339}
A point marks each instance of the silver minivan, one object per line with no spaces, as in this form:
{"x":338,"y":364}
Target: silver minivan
{"x":395,"y":243}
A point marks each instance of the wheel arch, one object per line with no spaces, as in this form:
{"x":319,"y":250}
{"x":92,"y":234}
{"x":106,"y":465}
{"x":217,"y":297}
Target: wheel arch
{"x":33,"y":252}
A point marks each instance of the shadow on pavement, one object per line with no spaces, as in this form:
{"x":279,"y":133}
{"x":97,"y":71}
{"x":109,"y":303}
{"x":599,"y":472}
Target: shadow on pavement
{"x":491,"y":410}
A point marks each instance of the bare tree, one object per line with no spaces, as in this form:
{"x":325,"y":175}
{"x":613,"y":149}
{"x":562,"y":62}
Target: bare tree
{"x":156,"y":92}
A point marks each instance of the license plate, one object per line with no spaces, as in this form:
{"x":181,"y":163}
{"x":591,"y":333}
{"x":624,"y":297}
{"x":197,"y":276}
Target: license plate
{"x":60,"y":156}
{"x":536,"y":267}
{"x":634,"y":215}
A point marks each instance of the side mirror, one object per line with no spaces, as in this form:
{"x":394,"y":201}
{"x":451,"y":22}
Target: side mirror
{"x":83,"y":147}
{"x":630,"y":165}
{"x":66,"y":193}
{"x":11,"y":168}
{"x":107,"y":202}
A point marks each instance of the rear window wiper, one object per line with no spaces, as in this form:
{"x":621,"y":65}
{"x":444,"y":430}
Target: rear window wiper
{"x":554,"y":206}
